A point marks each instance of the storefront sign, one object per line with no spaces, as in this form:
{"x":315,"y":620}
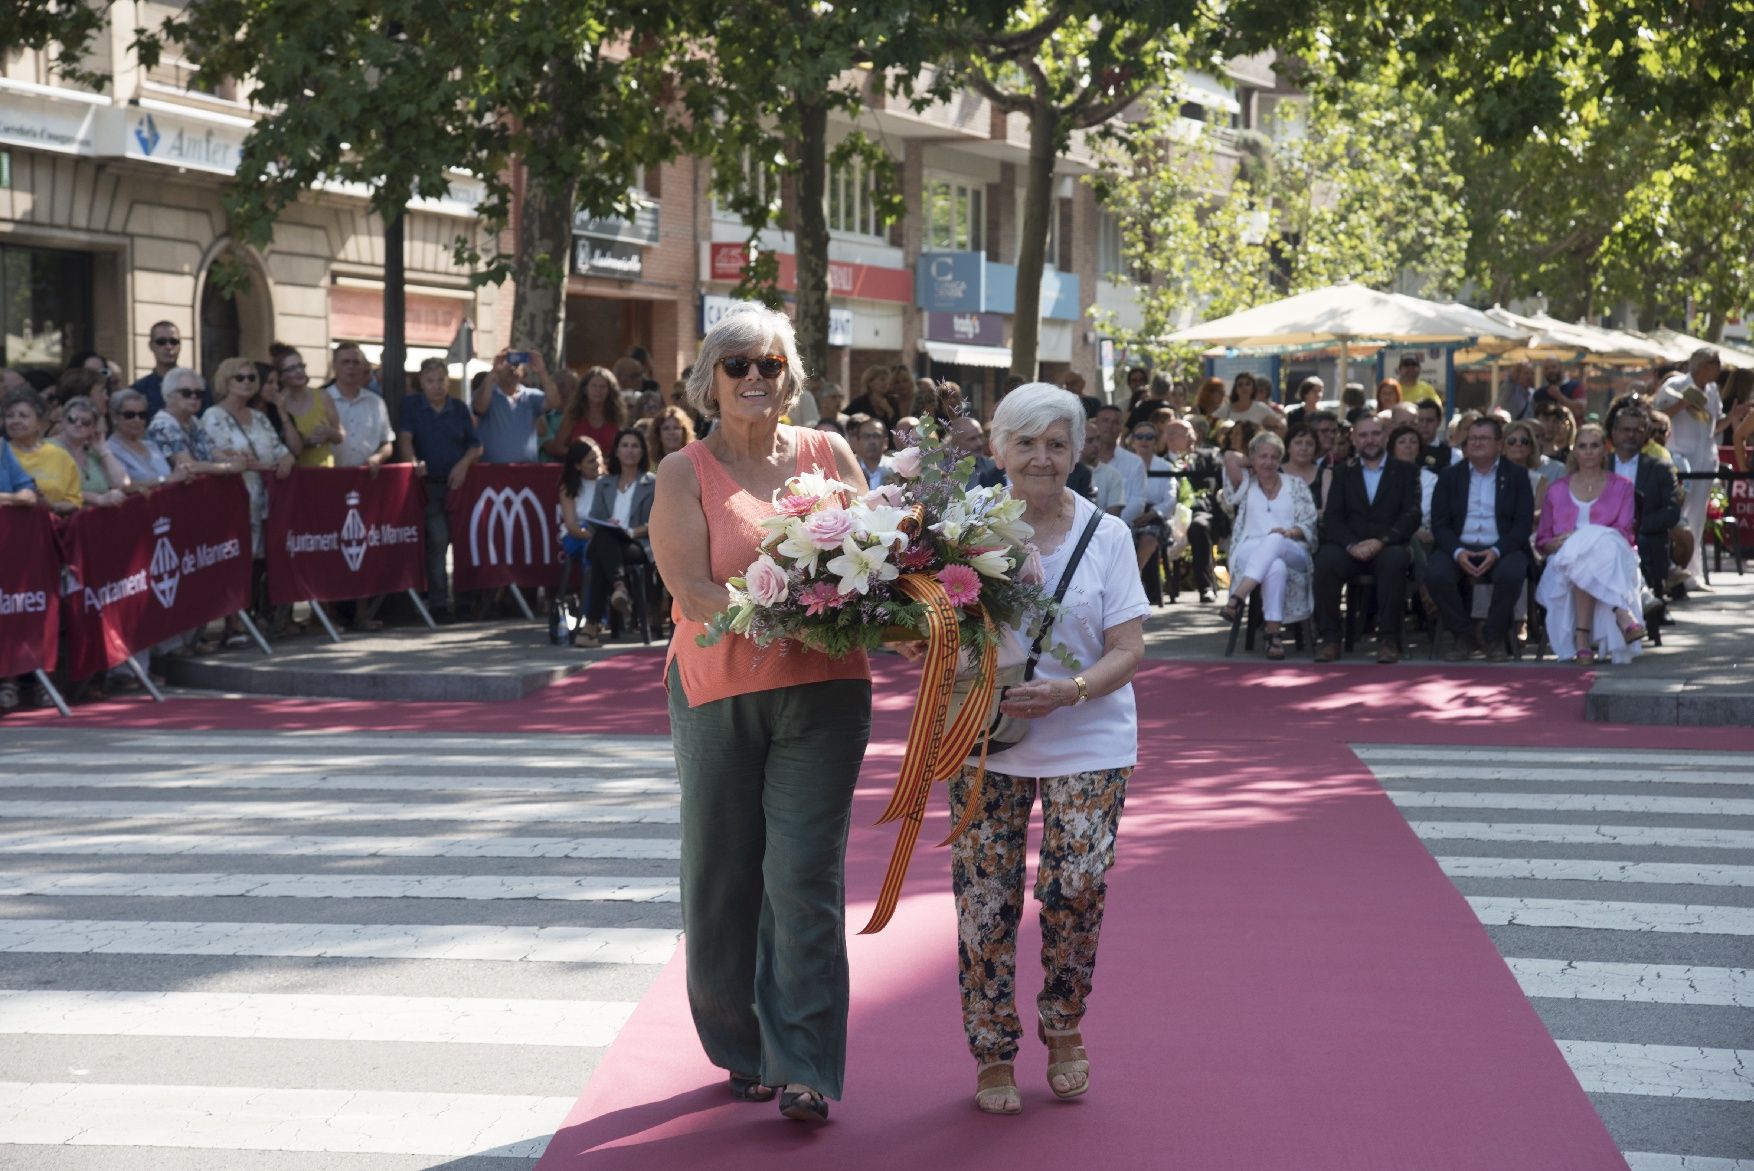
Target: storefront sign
{"x":714,"y":307}
{"x":974,"y":329}
{"x":1059,"y":292}
{"x":66,"y":126}
{"x":611,"y":258}
{"x":950,"y":282}
{"x":30,"y":586}
{"x":159,"y":136}
{"x":867,"y":282}
{"x":152,"y":567}
{"x":358,"y":314}
{"x":338,"y":533}
{"x":641,"y":227}
{"x":504,"y":523}
{"x":840,"y":327}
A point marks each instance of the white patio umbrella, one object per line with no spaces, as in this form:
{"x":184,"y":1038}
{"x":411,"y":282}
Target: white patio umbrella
{"x":1348,"y":314}
{"x":1678,"y":347}
{"x":1607,"y":347}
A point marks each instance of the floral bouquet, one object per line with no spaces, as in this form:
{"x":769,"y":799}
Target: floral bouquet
{"x":826,"y":573}
{"x":926,"y":558}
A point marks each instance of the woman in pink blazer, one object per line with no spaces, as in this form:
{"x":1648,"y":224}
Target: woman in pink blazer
{"x":1590,"y":585}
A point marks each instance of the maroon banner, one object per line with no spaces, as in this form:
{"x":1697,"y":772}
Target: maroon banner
{"x":338,"y":533}
{"x":30,"y":588}
{"x":504,"y":526}
{"x":153,"y":566}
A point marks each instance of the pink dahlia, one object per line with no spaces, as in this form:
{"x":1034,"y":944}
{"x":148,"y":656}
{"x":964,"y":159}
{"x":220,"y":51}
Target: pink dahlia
{"x":798,"y":505}
{"x":962,"y":585}
{"x":821,"y":597}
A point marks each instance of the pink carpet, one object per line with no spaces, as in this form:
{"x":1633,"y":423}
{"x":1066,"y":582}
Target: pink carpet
{"x":1287,"y":980}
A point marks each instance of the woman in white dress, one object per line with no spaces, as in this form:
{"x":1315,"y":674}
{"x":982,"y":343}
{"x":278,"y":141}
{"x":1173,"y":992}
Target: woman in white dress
{"x":1271,"y":544}
{"x":1590,"y":585}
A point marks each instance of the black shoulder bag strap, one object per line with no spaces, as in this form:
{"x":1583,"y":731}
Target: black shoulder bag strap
{"x":1060,"y":594}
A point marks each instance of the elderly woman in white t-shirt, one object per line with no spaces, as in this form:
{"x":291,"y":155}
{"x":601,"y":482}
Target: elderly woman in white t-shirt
{"x":1081,"y":745}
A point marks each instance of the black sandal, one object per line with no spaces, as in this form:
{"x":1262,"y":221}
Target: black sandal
{"x":804,"y":1106}
{"x":746,"y":1087}
{"x":1232,"y":611}
{"x":1275,"y":647}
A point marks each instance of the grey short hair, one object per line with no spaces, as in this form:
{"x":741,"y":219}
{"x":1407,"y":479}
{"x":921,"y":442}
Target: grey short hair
{"x":742,"y":329}
{"x":178,"y":377}
{"x":125,"y":396}
{"x":79,"y":402}
{"x":1032,"y":408}
{"x":1267,"y":439}
{"x":1703,"y":356}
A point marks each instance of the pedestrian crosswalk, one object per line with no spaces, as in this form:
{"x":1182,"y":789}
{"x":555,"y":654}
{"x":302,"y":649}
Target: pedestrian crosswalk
{"x":398,"y":950}
{"x":1619,"y":886}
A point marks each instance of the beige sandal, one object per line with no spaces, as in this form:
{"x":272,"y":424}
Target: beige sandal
{"x":995,"y":1089}
{"x":1068,"y":1063}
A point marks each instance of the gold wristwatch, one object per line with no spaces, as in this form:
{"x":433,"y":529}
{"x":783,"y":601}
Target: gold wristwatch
{"x":1083,"y":689}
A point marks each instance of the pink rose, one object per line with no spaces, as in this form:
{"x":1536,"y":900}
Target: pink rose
{"x":828,"y":528}
{"x":766,"y":582}
{"x":1032,"y":572}
{"x":797,"y":505}
{"x":906,"y":463}
{"x":888,"y":496}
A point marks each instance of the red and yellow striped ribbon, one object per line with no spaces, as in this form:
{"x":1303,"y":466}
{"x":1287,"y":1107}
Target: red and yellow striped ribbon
{"x":936,"y":744}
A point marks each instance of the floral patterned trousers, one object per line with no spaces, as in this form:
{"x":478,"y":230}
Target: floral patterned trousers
{"x":1080,"y":814}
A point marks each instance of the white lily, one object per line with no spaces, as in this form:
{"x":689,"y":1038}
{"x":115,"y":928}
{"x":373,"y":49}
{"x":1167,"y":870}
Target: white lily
{"x":1005,"y":519}
{"x":856,"y":567}
{"x":816,"y":484}
{"x":882,"y":525}
{"x":953,"y":523}
{"x":991,"y":563}
{"x":798,"y":546}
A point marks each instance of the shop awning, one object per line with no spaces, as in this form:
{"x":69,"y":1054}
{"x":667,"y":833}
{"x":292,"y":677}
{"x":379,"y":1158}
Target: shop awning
{"x":957,"y":354}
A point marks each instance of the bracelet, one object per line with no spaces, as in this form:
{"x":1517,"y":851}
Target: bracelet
{"x":1083,"y":689}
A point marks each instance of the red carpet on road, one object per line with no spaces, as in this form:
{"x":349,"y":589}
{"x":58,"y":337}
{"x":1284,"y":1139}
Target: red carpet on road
{"x":1287,"y":980}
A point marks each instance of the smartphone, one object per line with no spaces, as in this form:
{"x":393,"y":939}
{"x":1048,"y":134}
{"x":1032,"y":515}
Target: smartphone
{"x":518,"y":358}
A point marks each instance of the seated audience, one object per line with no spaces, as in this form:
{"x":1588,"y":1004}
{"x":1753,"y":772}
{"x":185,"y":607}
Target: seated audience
{"x":1653,"y":483}
{"x":620,"y":517}
{"x":1371,"y":514}
{"x":1590,"y":584}
{"x":1270,"y":544}
{"x":579,"y":474}
{"x":1482,"y":516}
{"x":1151,"y":523}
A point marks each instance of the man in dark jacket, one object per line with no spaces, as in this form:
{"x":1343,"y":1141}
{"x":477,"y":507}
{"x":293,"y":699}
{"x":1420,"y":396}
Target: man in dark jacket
{"x":1653,"y":482}
{"x":1482,"y":515}
{"x":1371,"y":514}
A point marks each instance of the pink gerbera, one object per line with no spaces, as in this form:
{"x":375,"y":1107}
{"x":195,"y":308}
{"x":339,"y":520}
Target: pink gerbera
{"x":962,"y":585}
{"x":821,"y":597}
{"x":798,"y":505}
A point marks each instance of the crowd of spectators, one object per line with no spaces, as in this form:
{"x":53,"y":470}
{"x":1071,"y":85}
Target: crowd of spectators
{"x":1220,"y":484}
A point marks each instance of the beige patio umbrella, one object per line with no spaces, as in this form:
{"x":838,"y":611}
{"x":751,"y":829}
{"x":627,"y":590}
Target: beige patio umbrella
{"x":1678,"y":347}
{"x":1347,"y":314}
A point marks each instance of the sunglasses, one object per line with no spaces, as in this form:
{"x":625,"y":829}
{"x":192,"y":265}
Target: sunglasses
{"x":1144,"y":437}
{"x":79,"y":420}
{"x":167,"y":341}
{"x":768,"y":365}
{"x":130,"y":414}
{"x":188,"y":394}
{"x":243,"y":378}
{"x":1517,"y":441}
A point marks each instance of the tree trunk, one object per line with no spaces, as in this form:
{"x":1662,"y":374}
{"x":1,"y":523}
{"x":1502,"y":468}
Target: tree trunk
{"x":1038,"y":201}
{"x":539,"y":267}
{"x":392,"y":367}
{"x":811,"y":236}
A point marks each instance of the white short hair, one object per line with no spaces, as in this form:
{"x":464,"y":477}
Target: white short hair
{"x":1700,"y":358}
{"x":177,"y":378}
{"x":1032,"y":408}
{"x":744,"y":328}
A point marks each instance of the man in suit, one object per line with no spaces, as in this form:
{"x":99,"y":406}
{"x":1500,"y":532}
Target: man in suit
{"x":1371,"y":514}
{"x":1204,"y":471}
{"x":1482,"y":515}
{"x":1436,"y":453}
{"x":1653,"y":482}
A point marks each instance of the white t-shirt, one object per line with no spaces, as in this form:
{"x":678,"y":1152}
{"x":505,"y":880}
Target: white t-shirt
{"x":1105,"y":592}
{"x":1132,"y":470}
{"x":1110,"y":485}
{"x":622,"y":512}
{"x":1256,"y":412}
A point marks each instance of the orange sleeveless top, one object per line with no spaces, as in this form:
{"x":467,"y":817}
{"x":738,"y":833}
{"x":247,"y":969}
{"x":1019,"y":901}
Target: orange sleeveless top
{"x":736,"y":666}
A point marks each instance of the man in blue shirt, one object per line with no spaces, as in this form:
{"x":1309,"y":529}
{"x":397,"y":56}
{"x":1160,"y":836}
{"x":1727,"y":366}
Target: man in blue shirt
{"x":507,"y":412}
{"x":1482,"y":516}
{"x":437,"y":435}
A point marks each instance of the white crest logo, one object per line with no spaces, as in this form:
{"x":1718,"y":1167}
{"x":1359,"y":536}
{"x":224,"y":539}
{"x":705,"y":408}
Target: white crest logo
{"x":353,"y":534}
{"x":166,"y":566}
{"x":509,"y":512}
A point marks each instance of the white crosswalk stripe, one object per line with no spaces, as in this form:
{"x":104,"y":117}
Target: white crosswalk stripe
{"x":1636,"y":984}
{"x":347,"y":846}
{"x":344,"y":886}
{"x":488,"y":954}
{"x":1645,"y":983}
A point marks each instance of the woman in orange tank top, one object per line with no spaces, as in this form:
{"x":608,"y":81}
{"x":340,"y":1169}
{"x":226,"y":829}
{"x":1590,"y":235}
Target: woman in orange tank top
{"x":768,"y":741}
